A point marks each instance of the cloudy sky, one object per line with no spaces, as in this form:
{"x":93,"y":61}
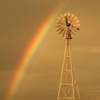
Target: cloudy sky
{"x":19,"y":20}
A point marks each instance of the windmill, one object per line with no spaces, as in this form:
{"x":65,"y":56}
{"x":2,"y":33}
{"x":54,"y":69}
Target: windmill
{"x":68,"y":25}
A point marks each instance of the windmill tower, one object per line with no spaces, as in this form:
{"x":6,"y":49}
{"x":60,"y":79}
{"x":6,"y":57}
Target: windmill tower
{"x":68,"y":25}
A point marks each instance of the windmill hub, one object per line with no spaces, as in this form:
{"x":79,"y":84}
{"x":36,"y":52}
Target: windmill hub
{"x":68,"y":24}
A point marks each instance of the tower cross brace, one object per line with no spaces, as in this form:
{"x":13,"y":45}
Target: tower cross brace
{"x":68,"y":88}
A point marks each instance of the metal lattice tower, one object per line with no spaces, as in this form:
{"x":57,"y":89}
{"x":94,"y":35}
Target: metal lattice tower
{"x":67,"y":24}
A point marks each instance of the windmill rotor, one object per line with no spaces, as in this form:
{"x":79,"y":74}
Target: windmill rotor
{"x":67,"y":25}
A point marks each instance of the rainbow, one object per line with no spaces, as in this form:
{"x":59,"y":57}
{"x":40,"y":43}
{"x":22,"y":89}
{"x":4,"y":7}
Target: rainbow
{"x":36,"y":41}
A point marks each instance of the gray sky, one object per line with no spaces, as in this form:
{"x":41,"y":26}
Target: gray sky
{"x":19,"y":20}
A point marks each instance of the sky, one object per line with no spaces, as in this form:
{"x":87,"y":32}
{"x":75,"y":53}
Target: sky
{"x":19,"y":20}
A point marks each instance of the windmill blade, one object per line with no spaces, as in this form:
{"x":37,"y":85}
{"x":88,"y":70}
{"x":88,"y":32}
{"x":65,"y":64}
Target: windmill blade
{"x":72,"y":17}
{"x":77,"y":25}
{"x":74,"y":27}
{"x":61,"y":16}
{"x":75,"y":22}
{"x":75,"y":18}
{"x":57,"y":21}
{"x":63,"y":20}
{"x":59,"y":28}
{"x":73,"y":32}
{"x":68,"y":14}
{"x":58,"y":25}
{"x":65,"y":14}
{"x":63,"y":33}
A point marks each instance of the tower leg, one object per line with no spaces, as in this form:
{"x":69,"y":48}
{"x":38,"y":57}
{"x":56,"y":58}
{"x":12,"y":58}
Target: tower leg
{"x":68,"y":88}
